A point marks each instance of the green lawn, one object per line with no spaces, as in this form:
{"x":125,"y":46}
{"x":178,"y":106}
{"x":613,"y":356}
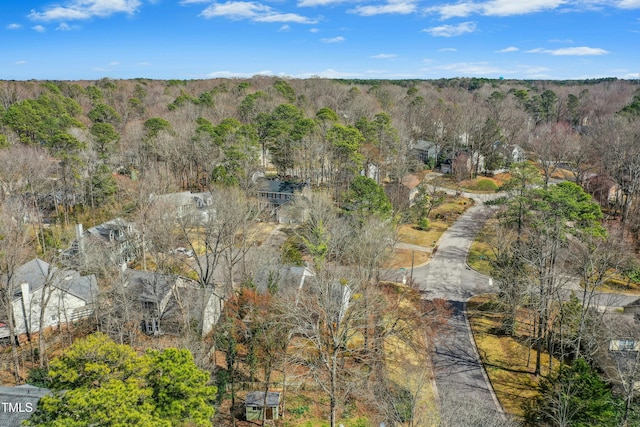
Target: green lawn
{"x":509,"y":362}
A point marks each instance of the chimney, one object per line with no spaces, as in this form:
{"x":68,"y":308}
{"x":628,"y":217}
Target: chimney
{"x":26,"y":306}
{"x":80,"y":238}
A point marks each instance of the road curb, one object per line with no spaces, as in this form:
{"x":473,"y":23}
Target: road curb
{"x":472,"y":338}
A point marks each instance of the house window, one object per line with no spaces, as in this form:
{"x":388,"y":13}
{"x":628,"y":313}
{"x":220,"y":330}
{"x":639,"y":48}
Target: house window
{"x":623,"y":345}
{"x":148,"y":305}
{"x":627,"y":345}
{"x":152,"y":326}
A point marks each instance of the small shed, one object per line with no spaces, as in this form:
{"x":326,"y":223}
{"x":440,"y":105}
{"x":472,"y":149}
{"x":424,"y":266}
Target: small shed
{"x":254,"y":405}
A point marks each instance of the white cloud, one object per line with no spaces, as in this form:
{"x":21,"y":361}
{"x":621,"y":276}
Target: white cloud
{"x":508,"y":49}
{"x":238,"y":10}
{"x":448,"y":49}
{"x":114,"y":63}
{"x":303,"y":3}
{"x":39,"y":28}
{"x":454,"y":10}
{"x":21,"y":62}
{"x":235,"y":10}
{"x":510,"y":7}
{"x":395,"y":7}
{"x":471,"y":68}
{"x":14,"y":26}
{"x":629,"y":4}
{"x":314,"y":30}
{"x":329,"y":73}
{"x":571,"y":51}
{"x":495,"y":8}
{"x":285,"y":17}
{"x":285,"y":28}
{"x":85,"y":9}
{"x":384,"y":56}
{"x":338,"y":39}
{"x":231,"y":74}
{"x":64,"y":27}
{"x":451,"y":30}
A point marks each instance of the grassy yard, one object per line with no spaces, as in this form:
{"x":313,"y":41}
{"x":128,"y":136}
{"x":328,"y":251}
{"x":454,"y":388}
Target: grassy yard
{"x":409,"y":364}
{"x":621,"y":284}
{"x":509,"y":361}
{"x":481,"y":251}
{"x":479,"y":184}
{"x":440,"y":220}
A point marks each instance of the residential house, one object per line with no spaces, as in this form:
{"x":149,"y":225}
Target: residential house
{"x":120,"y":237}
{"x":61,"y":295}
{"x":603,"y":189}
{"x":194,"y":206}
{"x":117,"y":240}
{"x":371,"y":171}
{"x":255,"y":406}
{"x":410,"y":182}
{"x":503,"y":155}
{"x":18,"y":403}
{"x":619,"y":355}
{"x":426,"y":151}
{"x":169,"y":303}
{"x":276,"y":192}
{"x":446,"y":166}
{"x":462,"y":162}
{"x":273,"y":194}
{"x":292,"y":277}
{"x":295,"y":212}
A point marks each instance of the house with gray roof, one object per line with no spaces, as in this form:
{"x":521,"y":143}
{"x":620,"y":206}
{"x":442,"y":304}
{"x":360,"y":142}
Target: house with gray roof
{"x":65,"y":294}
{"x":186,"y":205}
{"x":117,"y":240}
{"x":276,"y":192}
{"x":166,"y":303}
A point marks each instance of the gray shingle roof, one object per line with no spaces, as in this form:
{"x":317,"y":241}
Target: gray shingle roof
{"x":256,"y":398}
{"x":18,"y":403}
{"x":36,"y":273}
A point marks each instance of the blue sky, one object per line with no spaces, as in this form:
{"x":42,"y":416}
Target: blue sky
{"x":390,"y":39}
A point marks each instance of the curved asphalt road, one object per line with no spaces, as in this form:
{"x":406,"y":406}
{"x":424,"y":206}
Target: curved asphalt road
{"x":459,"y":375}
{"x":460,"y":378}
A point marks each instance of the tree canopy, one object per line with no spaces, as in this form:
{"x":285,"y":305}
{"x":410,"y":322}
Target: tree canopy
{"x":99,"y":382}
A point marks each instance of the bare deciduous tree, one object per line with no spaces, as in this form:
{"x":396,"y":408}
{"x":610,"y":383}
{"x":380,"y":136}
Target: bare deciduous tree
{"x":15,"y":249}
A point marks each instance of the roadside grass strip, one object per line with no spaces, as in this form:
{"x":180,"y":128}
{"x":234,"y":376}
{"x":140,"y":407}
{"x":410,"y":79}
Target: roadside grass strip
{"x":509,"y":361}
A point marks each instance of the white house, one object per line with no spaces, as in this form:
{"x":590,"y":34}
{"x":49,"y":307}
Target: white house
{"x":65,"y":295}
{"x":186,"y":205}
{"x":167,"y":301}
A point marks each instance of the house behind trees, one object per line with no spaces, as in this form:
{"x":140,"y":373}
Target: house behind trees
{"x":65,"y":294}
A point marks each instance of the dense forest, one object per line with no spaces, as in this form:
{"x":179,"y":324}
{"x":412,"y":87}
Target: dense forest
{"x":194,"y":134}
{"x":86,"y":152}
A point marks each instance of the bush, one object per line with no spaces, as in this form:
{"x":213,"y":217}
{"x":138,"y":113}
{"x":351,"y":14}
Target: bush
{"x":496,"y":202}
{"x":38,"y":377}
{"x":423,"y":224}
{"x":486,"y":185}
{"x":291,"y":251}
